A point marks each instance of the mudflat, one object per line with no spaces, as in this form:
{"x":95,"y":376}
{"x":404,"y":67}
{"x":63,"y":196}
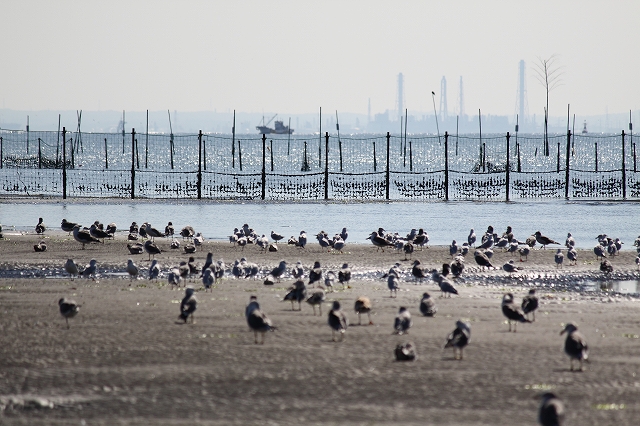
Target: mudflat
{"x":126,"y":359}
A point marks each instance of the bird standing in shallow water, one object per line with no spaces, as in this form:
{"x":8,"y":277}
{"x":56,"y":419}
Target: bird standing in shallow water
{"x":68,"y":309}
{"x":551,"y":411}
{"x":337,"y":321}
{"x":459,"y":338}
{"x":575,"y":345}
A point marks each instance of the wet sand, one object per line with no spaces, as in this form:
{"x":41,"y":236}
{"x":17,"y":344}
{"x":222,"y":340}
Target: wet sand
{"x":125,"y":360}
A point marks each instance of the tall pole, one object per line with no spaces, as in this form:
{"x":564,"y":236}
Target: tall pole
{"x":264,"y":171}
{"x":326,"y":166}
{"x":508,"y":168}
{"x":146,"y":149}
{"x":133,"y":163}
{"x":123,"y":131}
{"x":433,"y":97}
{"x":319,"y":160}
{"x":446,"y":166}
{"x":199,"y":164}
{"x":387,"y":171}
{"x":624,"y":171}
{"x":64,"y":163}
{"x":233,"y":141}
{"x":27,"y":135}
{"x":566,"y":167}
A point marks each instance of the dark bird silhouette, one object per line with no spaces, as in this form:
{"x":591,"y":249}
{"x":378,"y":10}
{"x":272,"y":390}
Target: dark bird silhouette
{"x":551,"y":411}
{"x":575,"y":346}
{"x":40,"y":247}
{"x":338,"y":321}
{"x":188,"y":306}
{"x":83,"y":237}
{"x":458,"y":339}
{"x":316,"y":298}
{"x":68,"y":309}
{"x":40,"y":227}
{"x":402,"y":322}
{"x":315,"y":274}
{"x":427,"y":305}
{"x":405,"y":351}
{"x":187,"y":232}
{"x":67,"y":226}
{"x":151,"y":248}
{"x":417,"y":271}
{"x":297,"y":293}
{"x":363,"y":306}
{"x":511,"y":311}
{"x":530,"y":304}
{"x":606,"y":266}
{"x":257,"y":320}
{"x":344,"y":275}
{"x":457,"y":266}
{"x":482,"y":259}
{"x":136,"y":248}
{"x":544,"y":241}
{"x":379,"y":242}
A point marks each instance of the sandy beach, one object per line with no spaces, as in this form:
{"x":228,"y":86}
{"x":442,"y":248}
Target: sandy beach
{"x":125,"y":360}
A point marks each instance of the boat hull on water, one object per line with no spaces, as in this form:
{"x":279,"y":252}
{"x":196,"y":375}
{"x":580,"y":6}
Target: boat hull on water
{"x":280,"y":129}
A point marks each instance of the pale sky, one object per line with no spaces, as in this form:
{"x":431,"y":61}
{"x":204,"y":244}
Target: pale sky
{"x":293,"y":57}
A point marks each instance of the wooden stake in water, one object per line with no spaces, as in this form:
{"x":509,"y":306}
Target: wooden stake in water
{"x":123,"y":126}
{"x":271,"y":152}
{"x":233,"y":141}
{"x":39,"y":154}
{"x":239,"y":155}
{"x":27,"y":135}
{"x":170,"y":139}
{"x":106,"y":157}
{"x":58,"y":144}
{"x":339,"y":141}
{"x":375,"y":161}
{"x":289,"y":138}
{"x":146,"y":148}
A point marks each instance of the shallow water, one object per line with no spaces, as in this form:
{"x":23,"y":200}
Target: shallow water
{"x":443,"y":221}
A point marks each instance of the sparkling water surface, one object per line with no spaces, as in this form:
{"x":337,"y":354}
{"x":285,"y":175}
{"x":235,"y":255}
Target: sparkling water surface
{"x":443,"y":221}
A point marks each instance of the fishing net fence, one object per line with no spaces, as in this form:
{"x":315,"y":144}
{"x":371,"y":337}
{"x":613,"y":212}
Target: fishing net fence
{"x":317,"y":167}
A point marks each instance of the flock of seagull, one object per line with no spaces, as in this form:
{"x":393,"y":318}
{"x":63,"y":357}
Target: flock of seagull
{"x":551,"y":409}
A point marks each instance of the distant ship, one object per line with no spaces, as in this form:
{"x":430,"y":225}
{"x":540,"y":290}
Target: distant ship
{"x":280,"y":128}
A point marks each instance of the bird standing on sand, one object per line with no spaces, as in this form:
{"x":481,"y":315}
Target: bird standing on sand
{"x":297,"y":271}
{"x":257,"y":320}
{"x":379,"y":242}
{"x":276,"y":237}
{"x":316,"y":298}
{"x":173,"y":278}
{"x":132,"y":269}
{"x":152,"y":232}
{"x":392,"y":283}
{"x":446,"y":286}
{"x":169,"y":230}
{"x":530,"y":304}
{"x":151,"y":248}
{"x":417,"y":271}
{"x":68,"y":309}
{"x":405,"y":351}
{"x":402,"y":322}
{"x":559,"y":258}
{"x":570,"y":242}
{"x":511,"y":311}
{"x":458,"y":338}
{"x":297,"y":293}
{"x":71,"y":268}
{"x":524,"y":252}
{"x":207,"y":279}
{"x":471,"y":239}
{"x":40,"y":227}
{"x":279,"y":270}
{"x":575,"y":345}
{"x":551,"y":411}
{"x":67,"y":226}
{"x":344,"y":275}
{"x":599,"y":251}
{"x":83,"y":237}
{"x":188,"y":306}
{"x":315,"y":274}
{"x":91,"y":269}
{"x":427,"y":305}
{"x":154,"y":270}
{"x":572,"y":255}
{"x":98,"y":233}
{"x":337,"y":321}
{"x":187,"y":232}
{"x":363,"y":306}
{"x":482,"y":259}
{"x":542,"y":240}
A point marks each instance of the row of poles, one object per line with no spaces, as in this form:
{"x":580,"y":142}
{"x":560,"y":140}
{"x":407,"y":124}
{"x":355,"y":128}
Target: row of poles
{"x":135,"y":163}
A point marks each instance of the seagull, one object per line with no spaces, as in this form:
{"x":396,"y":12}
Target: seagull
{"x":316,"y":298}
{"x":302,"y":239}
{"x":136,"y":248}
{"x":572,"y":255}
{"x":638,"y":262}
{"x":524,"y":251}
{"x":83,"y":237}
{"x":71,"y":268}
{"x":417,"y":271}
{"x":315,"y":274}
{"x":482,"y":259}
{"x":510,"y":267}
{"x":344,"y":275}
{"x":98,"y":233}
{"x":531,"y":241}
{"x":344,"y":234}
{"x":67,"y":226}
{"x":511,"y":311}
{"x":208,"y":279}
{"x":297,"y":293}
{"x":471,"y":239}
{"x":132,"y":269}
{"x":174,"y":277}
{"x":379,"y":242}
{"x":392,"y":283}
{"x":544,"y":240}
{"x":40,"y":227}
{"x":323,"y":241}
{"x":338,"y":244}
{"x":405,"y":351}
{"x":458,"y":338}
{"x":193,"y":268}
{"x":151,"y":248}
{"x":40,"y":247}
{"x":363,"y":306}
{"x":187,"y":232}
{"x":219,"y":267}
{"x":279,"y":270}
{"x":198,"y":239}
{"x":250,"y":269}
{"x":598,"y":250}
{"x":559,"y":258}
{"x":446,"y":286}
{"x":606,"y":266}
{"x":276,"y":237}
{"x":257,"y":320}
{"x":68,"y":309}
{"x":297,"y":271}
{"x":530,"y":304}
{"x":427,"y":305}
{"x":169,"y":230}
{"x":133,"y":229}
{"x":152,"y":232}
{"x":551,"y":411}
{"x":575,"y":346}
{"x":330,"y":279}
{"x":453,"y":249}
{"x":207,"y":263}
{"x":154,"y":270}
{"x":457,"y":266}
{"x":402,"y":322}
{"x":513,"y":247}
{"x":91,"y":269}
{"x":337,"y":321}
{"x":408,"y":249}
{"x":188,"y":306}
{"x":570,"y":242}
{"x":421,"y":238}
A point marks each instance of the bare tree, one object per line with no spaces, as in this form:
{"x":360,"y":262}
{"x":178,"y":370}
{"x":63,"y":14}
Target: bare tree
{"x":548,"y":73}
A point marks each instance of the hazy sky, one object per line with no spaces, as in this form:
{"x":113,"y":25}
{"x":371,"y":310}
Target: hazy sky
{"x":295,"y":56}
